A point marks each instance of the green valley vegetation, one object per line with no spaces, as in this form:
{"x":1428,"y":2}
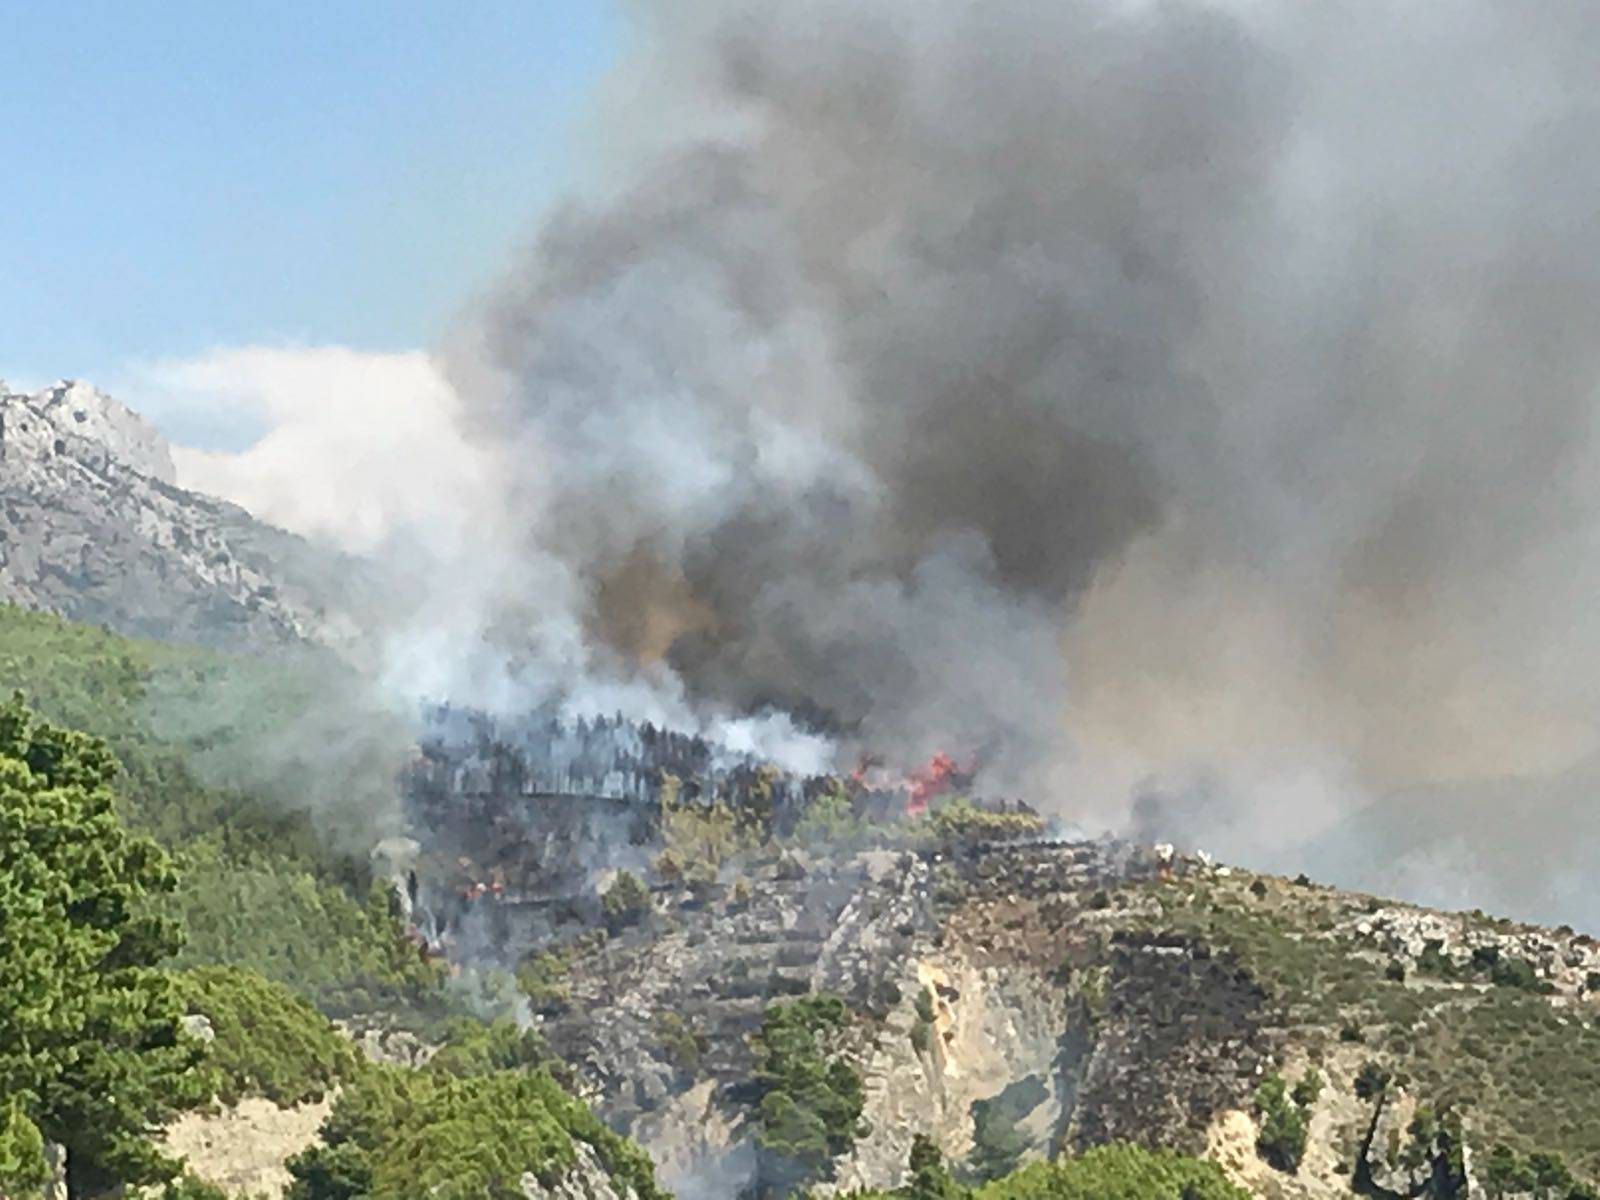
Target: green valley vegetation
{"x":221,"y":761}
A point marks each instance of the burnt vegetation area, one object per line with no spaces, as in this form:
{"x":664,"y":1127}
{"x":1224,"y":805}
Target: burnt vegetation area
{"x":1425,"y":1003}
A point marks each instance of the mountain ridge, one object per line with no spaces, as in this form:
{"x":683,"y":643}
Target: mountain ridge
{"x":94,"y":527}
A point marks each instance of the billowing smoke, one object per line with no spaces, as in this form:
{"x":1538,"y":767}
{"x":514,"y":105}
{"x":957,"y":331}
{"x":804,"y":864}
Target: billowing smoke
{"x":1157,"y":392}
{"x":1184,"y":406}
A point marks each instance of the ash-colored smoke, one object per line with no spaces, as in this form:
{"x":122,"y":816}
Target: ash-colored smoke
{"x":1171,"y":399}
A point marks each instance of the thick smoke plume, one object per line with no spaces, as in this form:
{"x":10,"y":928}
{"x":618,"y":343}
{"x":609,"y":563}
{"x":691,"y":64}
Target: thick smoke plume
{"x":1184,"y":407}
{"x":1163,"y":396}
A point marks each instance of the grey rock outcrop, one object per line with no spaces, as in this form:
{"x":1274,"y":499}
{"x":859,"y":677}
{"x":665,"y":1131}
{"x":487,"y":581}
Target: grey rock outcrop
{"x":74,"y":408}
{"x":199,"y":1027}
{"x":93,"y":527}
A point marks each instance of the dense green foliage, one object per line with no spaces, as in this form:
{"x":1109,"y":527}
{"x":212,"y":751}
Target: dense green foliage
{"x":829,"y":820}
{"x":469,"y":1125}
{"x":277,"y":917}
{"x":224,"y":760}
{"x":93,"y":1051}
{"x":1541,"y":1175}
{"x":930,"y":1178}
{"x":22,"y":1161}
{"x":811,"y":1099}
{"x":960,"y":820}
{"x":92,"y":1048}
{"x":474,"y":1047}
{"x":268,"y":1041}
{"x":1116,"y":1172}
{"x":543,"y":979}
{"x":1113,"y":1172}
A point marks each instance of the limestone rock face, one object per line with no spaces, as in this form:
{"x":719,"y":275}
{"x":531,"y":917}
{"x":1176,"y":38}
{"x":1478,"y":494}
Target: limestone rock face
{"x":93,"y":527}
{"x":73,"y":408}
{"x":993,"y":1027}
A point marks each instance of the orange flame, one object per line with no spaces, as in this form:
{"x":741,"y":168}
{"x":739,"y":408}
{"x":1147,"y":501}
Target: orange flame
{"x":935,"y":778}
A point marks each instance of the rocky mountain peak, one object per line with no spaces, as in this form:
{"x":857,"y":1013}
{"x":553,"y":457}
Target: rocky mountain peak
{"x":74,"y":418}
{"x":93,"y":526}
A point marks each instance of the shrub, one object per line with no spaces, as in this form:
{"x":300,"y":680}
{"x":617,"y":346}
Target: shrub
{"x":1307,"y":1090}
{"x":625,"y":902}
{"x":682,"y":1046}
{"x":396,"y":1133}
{"x":1284,"y":1120}
{"x":1517,"y":973}
{"x":543,"y":979}
{"x":930,"y":1178}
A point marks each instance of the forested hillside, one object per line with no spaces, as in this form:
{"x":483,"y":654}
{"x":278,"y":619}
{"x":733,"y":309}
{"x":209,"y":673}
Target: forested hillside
{"x":165,"y":934}
{"x":186,"y":909}
{"x":240,"y":770}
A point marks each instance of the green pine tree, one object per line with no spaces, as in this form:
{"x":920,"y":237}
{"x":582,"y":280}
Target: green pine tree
{"x":92,"y":1049}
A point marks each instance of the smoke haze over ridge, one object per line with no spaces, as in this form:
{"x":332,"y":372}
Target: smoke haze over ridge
{"x":1177,"y":402}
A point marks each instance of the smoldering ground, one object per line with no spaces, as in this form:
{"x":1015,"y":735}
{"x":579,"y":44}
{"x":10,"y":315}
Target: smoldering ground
{"x":1180,"y":400}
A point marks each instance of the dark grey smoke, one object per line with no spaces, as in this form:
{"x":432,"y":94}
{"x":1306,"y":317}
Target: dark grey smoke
{"x":1139,"y":393}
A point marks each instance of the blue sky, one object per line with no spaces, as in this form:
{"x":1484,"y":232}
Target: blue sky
{"x":180,"y":176}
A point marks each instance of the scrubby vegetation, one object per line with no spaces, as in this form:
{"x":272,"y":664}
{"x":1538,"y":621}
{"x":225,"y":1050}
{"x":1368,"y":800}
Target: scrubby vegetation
{"x":1527,"y":1072}
{"x":959,"y":820}
{"x":542,"y":978}
{"x":1285,"y":1118}
{"x":625,"y":902}
{"x":1116,"y":1172}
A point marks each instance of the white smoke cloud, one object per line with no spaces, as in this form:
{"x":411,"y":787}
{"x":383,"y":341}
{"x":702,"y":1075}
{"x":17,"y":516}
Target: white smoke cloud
{"x":357,"y":448}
